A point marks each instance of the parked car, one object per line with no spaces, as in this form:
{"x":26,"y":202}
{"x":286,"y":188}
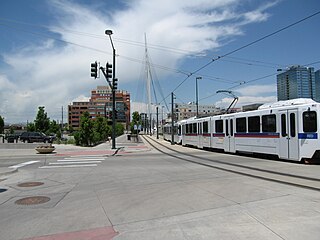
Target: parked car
{"x":12,"y":137}
{"x":35,"y":137}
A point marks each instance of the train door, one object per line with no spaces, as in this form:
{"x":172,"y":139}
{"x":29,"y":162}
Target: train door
{"x":229,"y":143}
{"x":200,"y":135}
{"x":289,"y":142}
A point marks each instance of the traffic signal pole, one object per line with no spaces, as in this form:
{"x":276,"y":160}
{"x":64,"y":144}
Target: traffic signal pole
{"x":113,"y":85}
{"x":109,"y":33}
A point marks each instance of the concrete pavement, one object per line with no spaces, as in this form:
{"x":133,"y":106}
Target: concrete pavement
{"x":148,"y":195}
{"x":123,"y":145}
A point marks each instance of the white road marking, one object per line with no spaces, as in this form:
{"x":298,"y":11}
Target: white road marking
{"x":70,"y":166}
{"x":83,"y":159}
{"x":87,"y":156}
{"x":23,"y":164}
{"x":74,"y":162}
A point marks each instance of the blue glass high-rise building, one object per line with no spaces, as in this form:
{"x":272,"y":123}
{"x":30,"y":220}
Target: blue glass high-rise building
{"x":317,"y":79}
{"x":298,"y":82}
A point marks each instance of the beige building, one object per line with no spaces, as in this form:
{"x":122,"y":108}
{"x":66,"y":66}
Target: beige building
{"x":188,"y":110}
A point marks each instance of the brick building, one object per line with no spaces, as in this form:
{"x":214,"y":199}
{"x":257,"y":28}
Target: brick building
{"x":100,"y":104}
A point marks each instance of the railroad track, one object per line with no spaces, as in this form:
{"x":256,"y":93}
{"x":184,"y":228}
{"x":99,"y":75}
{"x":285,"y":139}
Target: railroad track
{"x":237,"y":168}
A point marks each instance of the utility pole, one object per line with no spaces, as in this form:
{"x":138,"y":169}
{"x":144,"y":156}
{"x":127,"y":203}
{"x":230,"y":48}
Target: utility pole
{"x":61,"y":121}
{"x":157,"y":108}
{"x":172,"y":118}
{"x":197,"y":98}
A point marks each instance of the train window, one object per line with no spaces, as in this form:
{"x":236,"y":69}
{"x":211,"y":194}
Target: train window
{"x":205,"y":127}
{"x":175,"y":130}
{"x":219,"y":126}
{"x":292,"y":124}
{"x":283,"y":125}
{"x":309,"y":121}
{"x":194,"y":128}
{"x":231,"y":127}
{"x":227,"y":127}
{"x":269,"y":123}
{"x":187,"y":128}
{"x":241,"y":124}
{"x":254,"y":124}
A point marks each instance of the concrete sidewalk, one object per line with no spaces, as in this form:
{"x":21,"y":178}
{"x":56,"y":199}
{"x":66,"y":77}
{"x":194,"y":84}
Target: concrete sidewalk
{"x":123,"y":146}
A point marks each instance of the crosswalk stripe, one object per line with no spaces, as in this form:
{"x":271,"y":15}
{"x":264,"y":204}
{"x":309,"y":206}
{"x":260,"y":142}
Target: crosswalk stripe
{"x":75,"y":162}
{"x":70,"y":166}
{"x":83,"y":159}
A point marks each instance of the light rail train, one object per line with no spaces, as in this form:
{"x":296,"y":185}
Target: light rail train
{"x":287,"y":129}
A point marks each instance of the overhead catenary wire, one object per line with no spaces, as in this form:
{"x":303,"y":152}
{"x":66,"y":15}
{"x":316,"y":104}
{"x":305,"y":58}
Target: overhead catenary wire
{"x":200,"y":54}
{"x":188,"y":74}
{"x":243,"y":47}
{"x":177,"y":71}
{"x":249,"y":44}
{"x":256,"y":79}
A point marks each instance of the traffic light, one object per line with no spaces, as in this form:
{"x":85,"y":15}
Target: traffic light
{"x":94,"y":69}
{"x":115,"y":83}
{"x":109,"y":70}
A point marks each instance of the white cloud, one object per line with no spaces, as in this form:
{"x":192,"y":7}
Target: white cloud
{"x":251,"y":94}
{"x":245,"y":100}
{"x":81,"y":98}
{"x":54,"y":73}
{"x":257,"y":90}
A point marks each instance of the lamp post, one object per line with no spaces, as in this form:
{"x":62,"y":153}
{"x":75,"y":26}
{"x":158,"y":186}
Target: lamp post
{"x":157,"y":108}
{"x":109,"y":33}
{"x":197,"y":99}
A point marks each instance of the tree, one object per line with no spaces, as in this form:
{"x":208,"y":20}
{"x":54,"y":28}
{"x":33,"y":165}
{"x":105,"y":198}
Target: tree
{"x":31,"y":127}
{"x":1,"y":124}
{"x":119,"y":129}
{"x":100,"y":129}
{"x":54,"y":127}
{"x":86,"y":130}
{"x":42,"y":122}
{"x":135,"y":121}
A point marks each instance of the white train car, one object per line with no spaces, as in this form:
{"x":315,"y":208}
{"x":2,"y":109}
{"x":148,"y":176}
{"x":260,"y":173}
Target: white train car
{"x":287,"y":129}
{"x":167,"y":132}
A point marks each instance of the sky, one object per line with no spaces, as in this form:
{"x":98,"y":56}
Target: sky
{"x":46,"y":47}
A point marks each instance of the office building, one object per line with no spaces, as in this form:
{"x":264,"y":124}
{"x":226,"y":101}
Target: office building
{"x":317,"y":81}
{"x":297,"y":82}
{"x":100,"y":104}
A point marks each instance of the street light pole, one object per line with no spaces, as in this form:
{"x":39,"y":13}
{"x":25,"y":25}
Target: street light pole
{"x":157,"y":108}
{"x":197,"y":99}
{"x":109,"y":33}
{"x":172,"y":118}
